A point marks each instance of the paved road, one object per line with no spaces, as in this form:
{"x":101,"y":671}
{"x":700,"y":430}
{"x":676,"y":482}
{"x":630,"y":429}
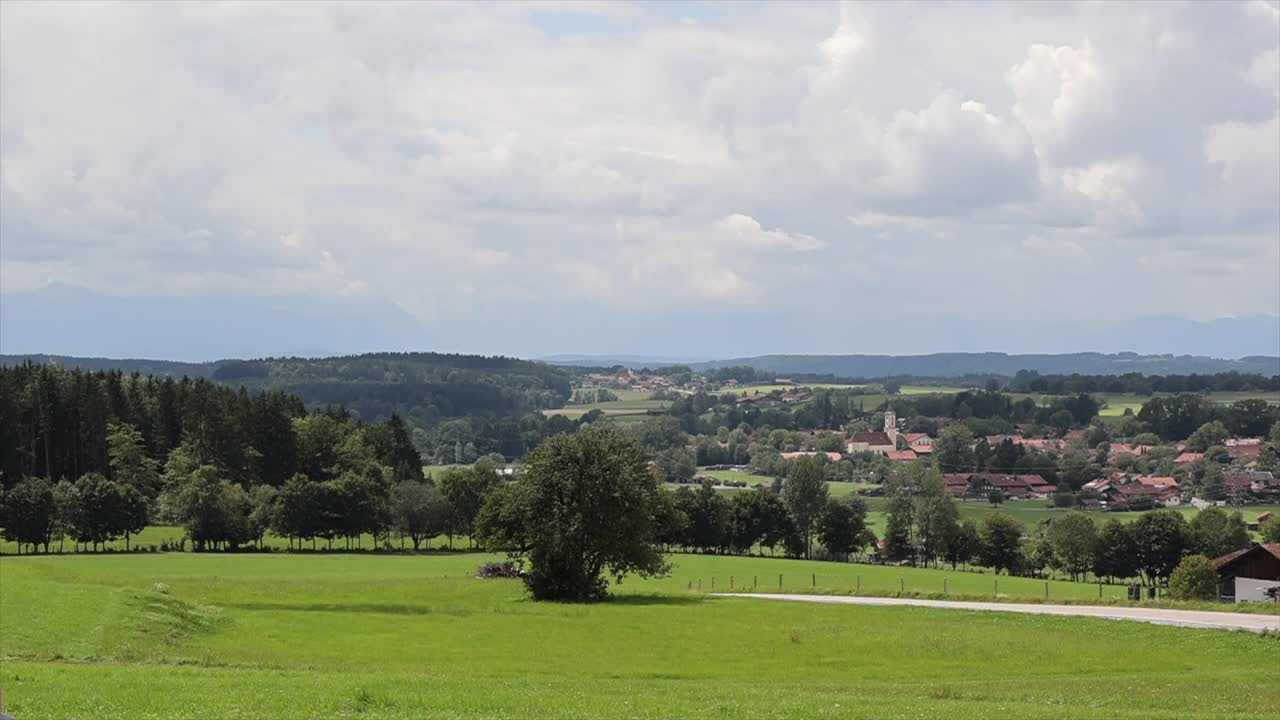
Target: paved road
{"x":1184,"y":618}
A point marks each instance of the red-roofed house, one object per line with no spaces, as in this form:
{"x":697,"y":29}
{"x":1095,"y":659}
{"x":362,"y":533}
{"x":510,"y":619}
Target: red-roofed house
{"x":1187,"y":457}
{"x":957,"y":484}
{"x":901,"y":455}
{"x":917,"y":439}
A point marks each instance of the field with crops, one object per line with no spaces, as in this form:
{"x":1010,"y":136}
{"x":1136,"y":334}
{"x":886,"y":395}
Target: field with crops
{"x":409,"y":636}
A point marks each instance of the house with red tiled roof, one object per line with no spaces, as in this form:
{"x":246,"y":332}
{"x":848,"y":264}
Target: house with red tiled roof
{"x":915,"y":440}
{"x":901,"y":455}
{"x":1187,"y":457}
{"x":957,"y":484}
{"x":1168,"y":495}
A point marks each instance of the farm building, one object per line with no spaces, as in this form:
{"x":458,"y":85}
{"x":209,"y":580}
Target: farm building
{"x":1247,"y":574}
{"x":1013,"y":486}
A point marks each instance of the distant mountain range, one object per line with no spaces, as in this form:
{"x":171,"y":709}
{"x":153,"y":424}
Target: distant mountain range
{"x":945,"y":365}
{"x":938,"y":365}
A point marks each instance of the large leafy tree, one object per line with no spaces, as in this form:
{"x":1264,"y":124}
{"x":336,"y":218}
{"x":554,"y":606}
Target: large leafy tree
{"x":588,"y":509}
{"x":710,"y":519}
{"x":129,"y":462}
{"x":843,"y":525}
{"x":107,"y":510}
{"x":214,"y":511}
{"x":1207,"y":435}
{"x":419,"y":511}
{"x":962,"y":545}
{"x":1160,"y":540}
{"x":1113,"y":551}
{"x":953,"y":450}
{"x":466,"y":490}
{"x":805,"y":494}
{"x":1073,"y":538}
{"x":28,"y":513}
{"x":1001,"y":538}
{"x":1214,"y":532}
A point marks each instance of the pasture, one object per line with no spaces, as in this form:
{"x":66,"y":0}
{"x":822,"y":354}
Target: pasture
{"x":629,"y":402}
{"x":404,"y":636}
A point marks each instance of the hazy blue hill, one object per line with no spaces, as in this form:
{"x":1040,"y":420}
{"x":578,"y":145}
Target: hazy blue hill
{"x":944,"y":365}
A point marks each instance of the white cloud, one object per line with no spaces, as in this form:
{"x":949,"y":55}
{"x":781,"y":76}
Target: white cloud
{"x":726,"y":159}
{"x":745,"y":230}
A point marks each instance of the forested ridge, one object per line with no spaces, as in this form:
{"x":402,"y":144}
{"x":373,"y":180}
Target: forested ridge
{"x":424,"y":387}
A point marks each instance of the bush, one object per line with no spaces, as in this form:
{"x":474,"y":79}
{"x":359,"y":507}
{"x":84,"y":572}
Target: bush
{"x":504,"y":569}
{"x":1194,"y":579}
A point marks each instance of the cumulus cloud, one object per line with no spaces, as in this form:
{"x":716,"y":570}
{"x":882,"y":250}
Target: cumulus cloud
{"x":745,"y":230}
{"x":635,"y":156}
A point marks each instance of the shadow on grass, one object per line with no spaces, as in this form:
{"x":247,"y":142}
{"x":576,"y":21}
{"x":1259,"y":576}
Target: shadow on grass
{"x":389,"y":609}
{"x":653,"y":599}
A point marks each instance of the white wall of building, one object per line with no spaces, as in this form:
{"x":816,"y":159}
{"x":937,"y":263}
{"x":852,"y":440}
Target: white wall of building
{"x":1251,"y":589}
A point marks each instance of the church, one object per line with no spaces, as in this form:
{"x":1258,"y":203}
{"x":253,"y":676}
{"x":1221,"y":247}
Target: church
{"x":882,"y":442}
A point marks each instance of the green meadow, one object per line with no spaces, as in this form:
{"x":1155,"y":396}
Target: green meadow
{"x":412,"y":636}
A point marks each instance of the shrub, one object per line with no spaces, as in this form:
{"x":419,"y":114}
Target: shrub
{"x":1194,"y":579}
{"x":504,"y":569}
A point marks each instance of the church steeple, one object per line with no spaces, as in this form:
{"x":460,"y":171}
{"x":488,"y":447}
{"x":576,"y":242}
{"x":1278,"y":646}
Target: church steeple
{"x":891,"y":424}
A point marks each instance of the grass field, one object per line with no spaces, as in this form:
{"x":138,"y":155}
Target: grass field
{"x":262,"y":636}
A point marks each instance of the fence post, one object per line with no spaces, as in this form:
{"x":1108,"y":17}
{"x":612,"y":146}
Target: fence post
{"x":1046,"y":589}
{"x":997,"y":587}
{"x":731,"y":582}
{"x":813,"y":579}
{"x":1099,"y":591}
{"x":902,"y":586}
{"x":859,"y":584}
{"x":753,"y":582}
{"x":779,"y":581}
{"x":944,"y":586}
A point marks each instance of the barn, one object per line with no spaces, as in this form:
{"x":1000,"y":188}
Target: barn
{"x":1247,"y":574}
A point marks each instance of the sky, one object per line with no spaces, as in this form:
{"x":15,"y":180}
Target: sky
{"x":677,"y":179}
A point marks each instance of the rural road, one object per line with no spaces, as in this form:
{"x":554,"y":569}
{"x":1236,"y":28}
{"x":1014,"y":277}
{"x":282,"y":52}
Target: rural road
{"x":1184,"y":618}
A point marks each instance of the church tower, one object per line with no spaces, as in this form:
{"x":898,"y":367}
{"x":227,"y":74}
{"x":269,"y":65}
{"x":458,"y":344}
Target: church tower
{"x":891,"y":425}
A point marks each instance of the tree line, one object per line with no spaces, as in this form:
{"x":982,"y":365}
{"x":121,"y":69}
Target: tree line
{"x":1140,"y":384}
